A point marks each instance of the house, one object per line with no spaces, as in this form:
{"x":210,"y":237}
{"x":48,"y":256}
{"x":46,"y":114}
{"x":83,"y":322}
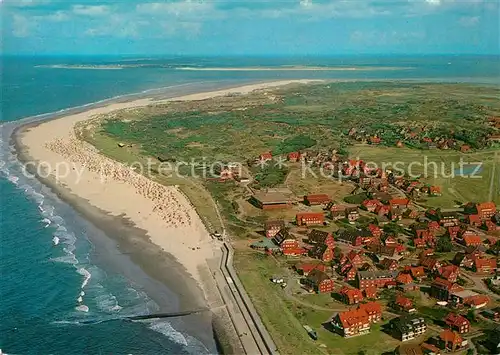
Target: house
{"x":472,"y":240}
{"x":404,"y":278}
{"x":306,"y":268}
{"x":321,"y":237}
{"x":350,"y":273}
{"x":273,"y":227}
{"x":453,"y":231}
{"x":378,"y":279}
{"x":370,"y":292}
{"x":408,"y":327}
{"x":429,"y":263}
{"x":418,"y":272}
{"x":351,"y":295}
{"x":442,"y":289}
{"x":389,"y":264}
{"x":476,"y":302}
{"x":375,"y":140}
{"x":266,"y":245}
{"x":373,"y":309}
{"x":449,"y":272}
{"x":404,"y":304}
{"x":313,"y":200}
{"x":435,"y":191}
{"x":474,"y":220}
{"x":285,"y":240}
{"x":270,"y":200}
{"x":309,"y":218}
{"x":265,"y":156}
{"x":370,"y":205}
{"x":465,"y":148}
{"x":457,"y":323}
{"x":293,"y":156}
{"x":350,"y":238}
{"x":485,"y":266}
{"x":292,"y":251}
{"x":489,"y":226}
{"x":375,"y":230}
{"x":390,"y":241}
{"x":353,"y":257}
{"x":399,"y":203}
{"x":319,"y":281}
{"x":451,"y":341}
{"x":388,"y":251}
{"x":351,"y":323}
{"x":464,"y":260}
{"x":351,"y":214}
{"x":486,"y":210}
{"x":322,"y":252}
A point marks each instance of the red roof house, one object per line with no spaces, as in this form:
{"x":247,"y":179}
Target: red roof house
{"x":351,"y":295}
{"x":404,"y":304}
{"x":370,"y":292}
{"x":266,"y":156}
{"x":306,"y":268}
{"x":485,"y":266}
{"x":319,"y":281}
{"x":457,"y":323}
{"x":293,"y":156}
{"x":375,"y":230}
{"x":404,"y":279}
{"x":474,"y":220}
{"x":309,"y":218}
{"x":373,"y":309}
{"x":451,"y":341}
{"x":399,"y":203}
{"x":370,"y":205}
{"x":486,"y":210}
{"x":472,"y":240}
{"x":449,"y":272}
{"x":319,"y":199}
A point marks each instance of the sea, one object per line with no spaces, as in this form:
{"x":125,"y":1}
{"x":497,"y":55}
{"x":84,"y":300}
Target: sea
{"x":58,"y":294}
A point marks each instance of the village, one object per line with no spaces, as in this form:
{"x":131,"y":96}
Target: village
{"x":375,"y":255}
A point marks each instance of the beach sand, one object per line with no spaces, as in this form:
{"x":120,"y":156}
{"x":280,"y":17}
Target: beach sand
{"x":163,"y":212}
{"x":155,"y":224}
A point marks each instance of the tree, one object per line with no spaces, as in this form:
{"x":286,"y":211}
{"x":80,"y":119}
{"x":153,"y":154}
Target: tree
{"x":444,"y":245}
{"x":471,"y":316}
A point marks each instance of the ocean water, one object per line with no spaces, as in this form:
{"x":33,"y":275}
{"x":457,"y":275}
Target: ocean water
{"x":51,"y":281}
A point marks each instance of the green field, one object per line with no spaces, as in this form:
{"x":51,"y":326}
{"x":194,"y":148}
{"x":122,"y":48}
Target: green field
{"x":299,"y":117}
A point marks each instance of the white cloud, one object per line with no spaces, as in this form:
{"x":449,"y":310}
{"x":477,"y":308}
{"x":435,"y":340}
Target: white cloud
{"x":376,"y":38}
{"x":58,"y":16}
{"x":21,"y":26}
{"x":469,"y":21}
{"x":91,"y":10}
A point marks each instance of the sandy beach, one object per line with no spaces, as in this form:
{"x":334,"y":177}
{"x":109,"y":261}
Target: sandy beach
{"x":163,"y":212}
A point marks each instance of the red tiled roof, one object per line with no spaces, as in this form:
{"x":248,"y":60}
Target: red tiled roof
{"x":404,"y":278}
{"x":353,"y":317}
{"x":417,"y":271}
{"x":448,"y":270}
{"x":482,"y":263}
{"x":399,"y":201}
{"x":486,"y":206}
{"x":457,"y":320}
{"x":472,"y":240}
{"x":371,"y":307}
{"x":306,"y":267}
{"x":442,"y":282}
{"x":370,"y":291}
{"x":403,"y":301}
{"x":477,"y":300}
{"x":450,"y":337}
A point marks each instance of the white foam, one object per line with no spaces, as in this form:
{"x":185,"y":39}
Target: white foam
{"x":80,"y":299}
{"x":67,"y":259}
{"x":55,"y":240}
{"x":108,"y":303}
{"x":47,"y":222}
{"x":13,"y":179}
{"x":82,"y":308}
{"x":166,"y":329}
{"x":87,"y":275}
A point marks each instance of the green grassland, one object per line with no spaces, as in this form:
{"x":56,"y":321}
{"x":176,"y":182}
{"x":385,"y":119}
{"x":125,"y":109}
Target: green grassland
{"x":299,"y":117}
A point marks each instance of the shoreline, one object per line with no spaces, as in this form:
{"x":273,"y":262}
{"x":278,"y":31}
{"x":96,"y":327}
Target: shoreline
{"x":126,"y":227}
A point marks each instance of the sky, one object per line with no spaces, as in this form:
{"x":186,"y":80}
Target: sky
{"x":257,"y":27}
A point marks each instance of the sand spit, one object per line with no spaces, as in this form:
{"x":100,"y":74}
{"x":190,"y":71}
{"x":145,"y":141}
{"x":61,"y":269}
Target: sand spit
{"x":162,"y":211}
